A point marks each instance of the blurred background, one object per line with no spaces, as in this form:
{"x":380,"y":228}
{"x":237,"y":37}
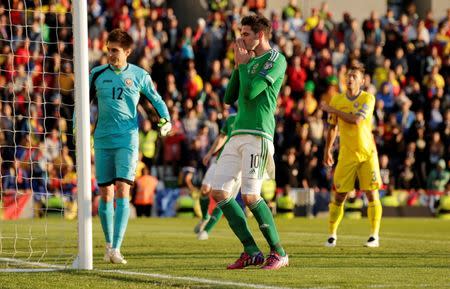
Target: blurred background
{"x":187,"y":48}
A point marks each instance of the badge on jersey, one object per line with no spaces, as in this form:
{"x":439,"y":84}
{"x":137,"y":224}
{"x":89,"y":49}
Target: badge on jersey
{"x":129,"y":82}
{"x":268,"y":65}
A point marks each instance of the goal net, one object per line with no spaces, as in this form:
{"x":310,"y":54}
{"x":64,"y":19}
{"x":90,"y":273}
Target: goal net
{"x":39,"y":182}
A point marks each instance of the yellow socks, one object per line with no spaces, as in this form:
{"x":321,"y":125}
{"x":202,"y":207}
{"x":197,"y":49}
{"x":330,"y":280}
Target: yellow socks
{"x":336,"y":214}
{"x":374,"y":212}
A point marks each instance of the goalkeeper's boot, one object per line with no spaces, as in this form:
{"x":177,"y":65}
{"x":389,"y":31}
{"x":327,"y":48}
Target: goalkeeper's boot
{"x":246,"y":260}
{"x":200,"y":225}
{"x":108,"y":249}
{"x":116,"y":257}
{"x":202,"y":236}
{"x":372,"y":242}
{"x":331,"y":242}
{"x":275,"y":261}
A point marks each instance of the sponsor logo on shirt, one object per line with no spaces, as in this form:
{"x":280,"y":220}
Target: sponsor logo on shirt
{"x":356,"y":104}
{"x":252,"y":171}
{"x":254,"y":68}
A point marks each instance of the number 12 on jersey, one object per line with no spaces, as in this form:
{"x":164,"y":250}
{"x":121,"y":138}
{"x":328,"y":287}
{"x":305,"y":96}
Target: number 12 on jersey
{"x":117,"y":95}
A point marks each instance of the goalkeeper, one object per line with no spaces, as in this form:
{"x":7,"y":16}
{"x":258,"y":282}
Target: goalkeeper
{"x":116,"y":88}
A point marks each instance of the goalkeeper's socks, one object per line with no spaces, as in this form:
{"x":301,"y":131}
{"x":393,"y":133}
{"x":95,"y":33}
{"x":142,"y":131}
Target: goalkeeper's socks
{"x":106,"y":214}
{"x":120,"y":221}
{"x":267,"y":226}
{"x":238,"y":223}
{"x":335,"y":217}
{"x":204,"y":204}
{"x":215,"y":218}
{"x":374,"y":212}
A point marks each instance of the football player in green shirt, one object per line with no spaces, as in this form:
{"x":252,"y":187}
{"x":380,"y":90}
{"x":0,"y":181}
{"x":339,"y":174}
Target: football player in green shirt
{"x":255,"y":84}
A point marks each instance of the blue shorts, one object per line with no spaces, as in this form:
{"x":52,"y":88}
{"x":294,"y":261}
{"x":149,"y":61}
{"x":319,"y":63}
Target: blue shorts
{"x":115,"y":164}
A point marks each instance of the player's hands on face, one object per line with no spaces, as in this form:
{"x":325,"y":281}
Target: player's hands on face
{"x":165,"y":127}
{"x":241,"y":54}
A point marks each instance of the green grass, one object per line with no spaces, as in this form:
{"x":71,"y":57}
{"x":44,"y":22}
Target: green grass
{"x":414,"y":253}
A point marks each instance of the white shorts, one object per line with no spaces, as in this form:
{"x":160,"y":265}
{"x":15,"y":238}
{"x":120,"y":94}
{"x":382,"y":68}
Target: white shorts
{"x":209,"y":178}
{"x":248,"y":156}
{"x":209,"y":175}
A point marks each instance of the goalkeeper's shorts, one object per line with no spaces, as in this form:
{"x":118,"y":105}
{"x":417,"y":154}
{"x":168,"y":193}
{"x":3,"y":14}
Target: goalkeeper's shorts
{"x":115,"y":164}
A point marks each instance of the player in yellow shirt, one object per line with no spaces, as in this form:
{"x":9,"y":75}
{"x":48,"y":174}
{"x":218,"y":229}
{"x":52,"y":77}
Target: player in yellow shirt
{"x":352,"y":113}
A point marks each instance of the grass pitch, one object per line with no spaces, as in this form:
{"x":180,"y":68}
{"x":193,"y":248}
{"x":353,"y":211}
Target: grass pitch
{"x":164,"y":253}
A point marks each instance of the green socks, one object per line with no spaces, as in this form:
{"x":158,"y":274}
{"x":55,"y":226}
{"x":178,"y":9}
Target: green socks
{"x":204,"y":204}
{"x":215,"y":217}
{"x":238,"y":223}
{"x":267,"y":226}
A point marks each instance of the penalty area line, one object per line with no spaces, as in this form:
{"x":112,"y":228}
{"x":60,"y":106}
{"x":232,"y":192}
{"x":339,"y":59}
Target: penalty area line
{"x":197,"y":280}
{"x":43,"y":267}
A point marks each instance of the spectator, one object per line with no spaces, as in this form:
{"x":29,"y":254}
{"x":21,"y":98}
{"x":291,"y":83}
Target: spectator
{"x":145,"y":193}
{"x":147,"y":143}
{"x":287,"y":174}
{"x":407,"y":63}
{"x":296,"y":77}
{"x":405,"y":117}
{"x":438,"y":177}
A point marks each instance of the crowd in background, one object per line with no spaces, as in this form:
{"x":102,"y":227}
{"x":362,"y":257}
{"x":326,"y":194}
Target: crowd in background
{"x":407,"y":62}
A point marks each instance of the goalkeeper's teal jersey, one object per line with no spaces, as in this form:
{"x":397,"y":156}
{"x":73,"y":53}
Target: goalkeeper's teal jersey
{"x":117,"y":94}
{"x":256,"y":86}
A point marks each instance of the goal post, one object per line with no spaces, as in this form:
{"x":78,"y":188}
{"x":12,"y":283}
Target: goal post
{"x":83,"y":156}
{"x":45,"y":195}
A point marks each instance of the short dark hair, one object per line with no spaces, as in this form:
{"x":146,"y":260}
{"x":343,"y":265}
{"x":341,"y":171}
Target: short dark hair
{"x":357,"y":66}
{"x":121,"y":37}
{"x":258,"y":23}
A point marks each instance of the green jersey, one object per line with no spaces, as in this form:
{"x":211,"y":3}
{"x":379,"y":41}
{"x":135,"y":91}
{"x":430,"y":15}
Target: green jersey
{"x":227,"y":129}
{"x":256,"y":86}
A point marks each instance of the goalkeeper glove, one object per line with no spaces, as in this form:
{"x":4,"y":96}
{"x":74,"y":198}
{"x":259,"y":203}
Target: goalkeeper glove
{"x":164,"y":126}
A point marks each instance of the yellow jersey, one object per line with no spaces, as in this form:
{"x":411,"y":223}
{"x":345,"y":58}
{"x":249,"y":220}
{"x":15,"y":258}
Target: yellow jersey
{"x":355,"y":140}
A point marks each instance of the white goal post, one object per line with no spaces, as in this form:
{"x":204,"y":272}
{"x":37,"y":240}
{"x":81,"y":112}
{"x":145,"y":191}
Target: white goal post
{"x":41,"y":193}
{"x":80,"y":35}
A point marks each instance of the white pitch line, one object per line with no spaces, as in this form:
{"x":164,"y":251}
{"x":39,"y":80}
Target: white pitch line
{"x":43,"y":267}
{"x":51,"y":268}
{"x":198,"y":280}
{"x":48,"y":268}
{"x":29,"y":270}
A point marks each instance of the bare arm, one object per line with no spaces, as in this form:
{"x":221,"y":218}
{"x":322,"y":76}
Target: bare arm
{"x":329,"y":141}
{"x":215,"y":147}
{"x":189,"y":184}
{"x":347,"y":117}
